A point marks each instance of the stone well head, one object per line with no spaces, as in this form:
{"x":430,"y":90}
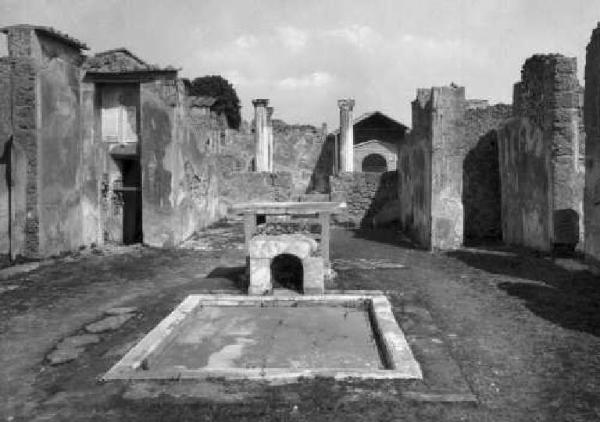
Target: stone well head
{"x":265,"y":251}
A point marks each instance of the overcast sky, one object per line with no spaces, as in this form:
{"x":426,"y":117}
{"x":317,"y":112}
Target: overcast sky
{"x":303,"y":55}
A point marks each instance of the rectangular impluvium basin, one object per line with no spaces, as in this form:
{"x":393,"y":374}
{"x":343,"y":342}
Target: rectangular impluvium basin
{"x":273,"y":337}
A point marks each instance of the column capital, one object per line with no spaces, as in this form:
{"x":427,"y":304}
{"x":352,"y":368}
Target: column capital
{"x":260,"y":102}
{"x":346,"y":104}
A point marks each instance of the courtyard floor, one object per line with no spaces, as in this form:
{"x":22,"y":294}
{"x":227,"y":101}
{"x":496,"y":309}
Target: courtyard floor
{"x":501,"y":335}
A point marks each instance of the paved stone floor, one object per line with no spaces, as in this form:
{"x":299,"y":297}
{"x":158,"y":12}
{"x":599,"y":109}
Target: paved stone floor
{"x":501,"y":335}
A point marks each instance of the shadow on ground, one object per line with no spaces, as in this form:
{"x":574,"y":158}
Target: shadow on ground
{"x":390,"y":235}
{"x":567,"y":297}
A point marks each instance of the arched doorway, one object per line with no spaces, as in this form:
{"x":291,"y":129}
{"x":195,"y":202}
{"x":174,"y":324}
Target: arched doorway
{"x":374,"y":163}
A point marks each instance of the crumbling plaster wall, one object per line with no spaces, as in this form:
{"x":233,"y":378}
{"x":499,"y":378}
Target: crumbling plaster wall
{"x":544,"y":210}
{"x":179,"y":180}
{"x":448,"y":152}
{"x":435,"y":151}
{"x":525,"y":168}
{"x":481,"y":176}
{"x":59,"y":148}
{"x":414,"y":173}
{"x":445,"y":190}
{"x":592,"y":149}
{"x":24,"y":110}
{"x":5,"y":154}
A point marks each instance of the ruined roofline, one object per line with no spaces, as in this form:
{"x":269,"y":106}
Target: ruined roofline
{"x":549,"y":56}
{"x":367,"y":115}
{"x":121,"y":50}
{"x":49,"y":31}
{"x":425,"y":95}
{"x":101,"y":64}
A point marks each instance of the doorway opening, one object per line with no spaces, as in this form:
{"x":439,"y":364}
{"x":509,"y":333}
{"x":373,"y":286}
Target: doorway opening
{"x":129,"y":189}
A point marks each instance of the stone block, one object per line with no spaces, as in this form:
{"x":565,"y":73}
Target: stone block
{"x":270,"y":246}
{"x":314,"y":280}
{"x":260,"y":276}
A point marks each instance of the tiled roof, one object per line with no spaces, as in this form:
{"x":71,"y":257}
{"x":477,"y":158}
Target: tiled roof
{"x":51,"y":32}
{"x":120,"y":60}
{"x":369,"y":115}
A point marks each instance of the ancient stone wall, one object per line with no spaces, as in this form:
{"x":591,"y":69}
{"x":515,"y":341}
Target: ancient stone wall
{"x":526,"y":171}
{"x":299,"y":150}
{"x":481,"y":176}
{"x":448,"y":169}
{"x":544,"y":210}
{"x":414,"y":184}
{"x":364,"y":193}
{"x":434,"y":150}
{"x":414,"y":171}
{"x":447,"y":155}
{"x":252,"y":186}
{"x":592,"y":149}
{"x":93,"y":164}
{"x":179,"y":179}
{"x":23,"y":112}
{"x":5,"y":155}
{"x":59,"y":149}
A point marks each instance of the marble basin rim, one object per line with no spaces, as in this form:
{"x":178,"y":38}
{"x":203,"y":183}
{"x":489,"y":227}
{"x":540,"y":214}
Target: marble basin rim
{"x":395,"y":354}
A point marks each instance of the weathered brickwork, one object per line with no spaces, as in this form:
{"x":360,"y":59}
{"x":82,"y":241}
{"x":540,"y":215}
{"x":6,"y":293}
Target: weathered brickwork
{"x":592,"y":149}
{"x":414,"y":171}
{"x":252,"y":186}
{"x":20,"y":42}
{"x":302,"y":151}
{"x":365,"y":195}
{"x":544,"y":210}
{"x":26,"y":149}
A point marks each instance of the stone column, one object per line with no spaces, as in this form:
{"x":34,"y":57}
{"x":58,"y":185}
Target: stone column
{"x":261,"y":139}
{"x":346,"y":135}
{"x":270,"y":143}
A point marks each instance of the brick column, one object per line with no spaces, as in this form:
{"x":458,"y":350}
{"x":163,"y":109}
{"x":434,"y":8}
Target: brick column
{"x":346,"y":135}
{"x":261,"y":137}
